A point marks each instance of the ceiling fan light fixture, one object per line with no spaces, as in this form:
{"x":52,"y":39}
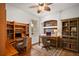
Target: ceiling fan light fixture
{"x":47,"y":8}
{"x":41,"y":4}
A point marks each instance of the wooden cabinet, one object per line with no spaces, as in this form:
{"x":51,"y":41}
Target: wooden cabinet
{"x":3,"y":27}
{"x":16,"y":33}
{"x":70,"y":34}
{"x":8,"y":38}
{"x":5,"y":48}
{"x":2,"y":11}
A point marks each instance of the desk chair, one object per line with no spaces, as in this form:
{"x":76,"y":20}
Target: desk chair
{"x":21,"y":45}
{"x":20,"y":48}
{"x":46,"y":43}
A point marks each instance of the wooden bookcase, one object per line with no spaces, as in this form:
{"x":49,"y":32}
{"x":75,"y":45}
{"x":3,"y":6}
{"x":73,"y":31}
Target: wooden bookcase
{"x":70,"y":34}
{"x":7,"y":35}
{"x":5,"y":48}
{"x":50,"y":25}
{"x":16,"y":32}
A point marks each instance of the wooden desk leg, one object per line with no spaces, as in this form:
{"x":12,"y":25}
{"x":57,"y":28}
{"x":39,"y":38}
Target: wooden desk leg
{"x":56,"y":44}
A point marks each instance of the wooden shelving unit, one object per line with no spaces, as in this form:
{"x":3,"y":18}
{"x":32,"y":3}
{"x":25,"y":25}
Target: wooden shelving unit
{"x":8,"y":33}
{"x":70,"y":34}
{"x":16,"y":32}
{"x":5,"y":48}
{"x":50,"y":25}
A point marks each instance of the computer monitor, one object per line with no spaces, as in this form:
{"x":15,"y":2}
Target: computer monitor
{"x":48,"y":33}
{"x":18,"y":34}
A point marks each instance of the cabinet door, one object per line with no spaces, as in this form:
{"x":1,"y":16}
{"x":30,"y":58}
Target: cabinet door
{"x":74,"y":46}
{"x":66,"y":45}
{"x":2,"y":11}
{"x":3,"y":27}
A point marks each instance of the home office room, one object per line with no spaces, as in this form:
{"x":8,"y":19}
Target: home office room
{"x":39,"y":29}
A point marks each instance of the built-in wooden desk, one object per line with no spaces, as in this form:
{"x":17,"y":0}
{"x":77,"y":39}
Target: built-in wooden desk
{"x":54,"y":40}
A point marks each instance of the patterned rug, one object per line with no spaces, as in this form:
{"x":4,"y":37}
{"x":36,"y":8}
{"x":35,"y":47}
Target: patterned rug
{"x":39,"y":51}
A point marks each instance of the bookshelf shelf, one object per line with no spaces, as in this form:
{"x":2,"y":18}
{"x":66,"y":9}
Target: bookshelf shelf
{"x":50,"y":26}
{"x":16,"y":32}
{"x":70,"y":32}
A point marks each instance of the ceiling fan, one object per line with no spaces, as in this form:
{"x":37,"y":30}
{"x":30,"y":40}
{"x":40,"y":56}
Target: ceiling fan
{"x":42,"y":7}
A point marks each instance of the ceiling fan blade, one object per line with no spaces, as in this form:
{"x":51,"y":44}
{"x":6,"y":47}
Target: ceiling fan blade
{"x":47,"y":8}
{"x":33,"y":6}
{"x":41,"y":4}
{"x":49,"y":3}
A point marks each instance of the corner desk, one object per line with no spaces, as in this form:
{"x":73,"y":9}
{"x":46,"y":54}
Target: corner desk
{"x":55,"y":40}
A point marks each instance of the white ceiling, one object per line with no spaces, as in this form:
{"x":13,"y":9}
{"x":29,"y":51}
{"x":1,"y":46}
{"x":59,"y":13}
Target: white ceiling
{"x":55,"y":7}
